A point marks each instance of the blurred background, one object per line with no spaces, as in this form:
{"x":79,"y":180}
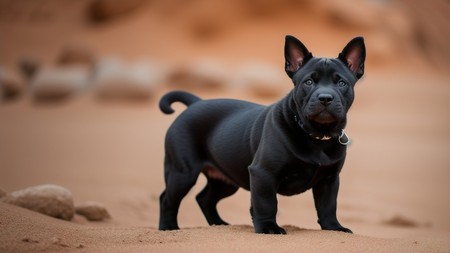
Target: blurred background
{"x":80,"y":83}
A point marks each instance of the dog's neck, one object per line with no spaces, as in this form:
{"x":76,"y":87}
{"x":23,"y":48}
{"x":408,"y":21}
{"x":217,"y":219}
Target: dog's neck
{"x":342,"y":137}
{"x":300,"y":124}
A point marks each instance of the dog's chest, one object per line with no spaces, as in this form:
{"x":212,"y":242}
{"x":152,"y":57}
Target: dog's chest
{"x":300,"y":178}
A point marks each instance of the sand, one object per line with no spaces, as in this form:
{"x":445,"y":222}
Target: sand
{"x":51,"y":235}
{"x":394,"y":185}
{"x":393,"y":192}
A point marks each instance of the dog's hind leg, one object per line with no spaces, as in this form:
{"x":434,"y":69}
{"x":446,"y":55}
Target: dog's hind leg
{"x":178,"y":185}
{"x":214,"y":191}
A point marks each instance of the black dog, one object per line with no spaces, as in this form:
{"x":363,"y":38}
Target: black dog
{"x":287,"y":148}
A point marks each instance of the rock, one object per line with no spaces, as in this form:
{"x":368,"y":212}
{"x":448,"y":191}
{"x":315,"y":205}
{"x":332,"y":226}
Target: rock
{"x":93,"y":211}
{"x":11,"y":85}
{"x":29,"y":67}
{"x":54,"y":84}
{"x":261,"y":79}
{"x":76,"y":55}
{"x":204,"y":74}
{"x":103,"y":10}
{"x":116,"y":80}
{"x":52,"y":200}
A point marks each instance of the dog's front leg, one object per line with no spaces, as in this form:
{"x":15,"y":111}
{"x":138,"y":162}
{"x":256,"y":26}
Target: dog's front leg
{"x":263,"y":188}
{"x":325,"y":197}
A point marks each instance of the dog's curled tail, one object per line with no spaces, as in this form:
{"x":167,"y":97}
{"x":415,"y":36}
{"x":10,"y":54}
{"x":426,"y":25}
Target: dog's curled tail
{"x":176,"y":96}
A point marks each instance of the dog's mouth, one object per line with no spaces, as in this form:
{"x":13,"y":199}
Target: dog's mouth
{"x":323,"y":117}
{"x":321,"y":123}
{"x":323,"y":126}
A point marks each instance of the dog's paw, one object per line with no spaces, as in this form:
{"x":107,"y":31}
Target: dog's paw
{"x":271,"y":228}
{"x":339,"y":228}
{"x":346,"y":230}
{"x":333,"y":225}
{"x":168,"y":227}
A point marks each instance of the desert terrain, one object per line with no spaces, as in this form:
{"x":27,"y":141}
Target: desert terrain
{"x":110,"y":148}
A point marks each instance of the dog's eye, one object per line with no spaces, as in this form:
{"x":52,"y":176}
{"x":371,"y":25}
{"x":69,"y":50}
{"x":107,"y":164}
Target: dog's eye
{"x":342,"y":84}
{"x":308,"y":82}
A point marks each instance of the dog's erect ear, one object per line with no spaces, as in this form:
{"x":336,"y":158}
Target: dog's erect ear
{"x":295,"y":54}
{"x":354,"y":55}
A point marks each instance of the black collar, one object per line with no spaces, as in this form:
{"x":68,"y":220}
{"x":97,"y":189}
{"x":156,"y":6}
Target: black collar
{"x":342,"y":138}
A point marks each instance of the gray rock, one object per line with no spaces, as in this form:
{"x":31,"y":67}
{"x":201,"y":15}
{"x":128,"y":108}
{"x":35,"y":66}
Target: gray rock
{"x":203,"y":74}
{"x":115,"y":79}
{"x":52,"y":200}
{"x":51,"y":84}
{"x":93,"y":211}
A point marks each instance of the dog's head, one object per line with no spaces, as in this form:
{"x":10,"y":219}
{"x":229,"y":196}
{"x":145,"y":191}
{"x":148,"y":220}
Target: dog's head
{"x":323,"y":91}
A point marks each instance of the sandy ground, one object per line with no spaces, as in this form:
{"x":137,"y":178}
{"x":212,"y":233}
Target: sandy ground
{"x":397,"y":169}
{"x":394,"y":186}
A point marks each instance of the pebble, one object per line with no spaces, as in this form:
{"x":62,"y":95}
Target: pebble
{"x":93,"y":211}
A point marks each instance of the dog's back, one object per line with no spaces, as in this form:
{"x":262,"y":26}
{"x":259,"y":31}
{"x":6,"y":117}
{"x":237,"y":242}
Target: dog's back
{"x":210,"y":127}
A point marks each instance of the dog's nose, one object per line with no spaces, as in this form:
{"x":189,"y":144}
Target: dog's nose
{"x":325,"y":98}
